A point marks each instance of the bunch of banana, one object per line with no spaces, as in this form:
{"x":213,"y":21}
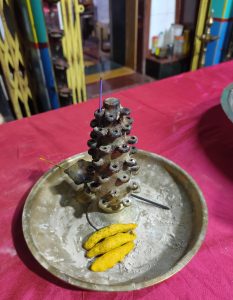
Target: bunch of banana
{"x":114,"y":242}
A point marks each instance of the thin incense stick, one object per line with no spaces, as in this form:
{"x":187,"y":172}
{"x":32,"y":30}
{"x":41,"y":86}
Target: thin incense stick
{"x":100,"y":97}
{"x":50,"y":162}
{"x":151,"y":202}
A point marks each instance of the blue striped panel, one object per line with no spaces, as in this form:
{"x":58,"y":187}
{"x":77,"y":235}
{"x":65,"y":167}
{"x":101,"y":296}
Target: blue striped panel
{"x":48,"y":71}
{"x":214,"y":49}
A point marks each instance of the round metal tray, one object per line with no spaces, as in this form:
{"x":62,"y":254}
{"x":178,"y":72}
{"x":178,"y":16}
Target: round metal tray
{"x":56,"y":221}
{"x":227,"y":101}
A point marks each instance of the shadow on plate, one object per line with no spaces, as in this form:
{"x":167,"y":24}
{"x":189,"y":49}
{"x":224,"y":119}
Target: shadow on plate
{"x":25,"y":254}
{"x":69,"y":197}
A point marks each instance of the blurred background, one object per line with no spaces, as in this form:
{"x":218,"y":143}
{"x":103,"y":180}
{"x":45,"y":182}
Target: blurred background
{"x":52,"y":53}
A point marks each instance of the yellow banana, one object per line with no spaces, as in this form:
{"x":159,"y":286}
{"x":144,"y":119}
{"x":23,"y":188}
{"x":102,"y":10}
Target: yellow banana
{"x":111,"y":258}
{"x":110,"y":243}
{"x":106,"y":232}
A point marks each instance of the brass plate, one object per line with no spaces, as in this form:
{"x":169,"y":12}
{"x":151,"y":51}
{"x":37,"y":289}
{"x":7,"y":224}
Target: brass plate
{"x":55,"y":226}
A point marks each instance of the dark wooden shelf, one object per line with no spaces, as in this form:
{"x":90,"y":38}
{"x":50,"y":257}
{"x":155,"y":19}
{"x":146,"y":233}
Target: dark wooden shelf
{"x":165,"y":60}
{"x":165,"y":67}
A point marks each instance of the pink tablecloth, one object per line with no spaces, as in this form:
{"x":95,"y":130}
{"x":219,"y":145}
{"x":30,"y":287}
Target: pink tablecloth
{"x":179,"y":118}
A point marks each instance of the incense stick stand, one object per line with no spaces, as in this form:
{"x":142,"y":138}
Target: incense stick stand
{"x":108,"y":177}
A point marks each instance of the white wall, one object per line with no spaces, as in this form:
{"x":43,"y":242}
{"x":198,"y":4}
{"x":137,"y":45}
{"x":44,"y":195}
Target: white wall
{"x":162,"y":15}
{"x":102,"y":7}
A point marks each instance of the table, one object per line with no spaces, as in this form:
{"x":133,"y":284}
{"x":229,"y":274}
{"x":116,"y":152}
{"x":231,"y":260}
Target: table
{"x":179,"y":118}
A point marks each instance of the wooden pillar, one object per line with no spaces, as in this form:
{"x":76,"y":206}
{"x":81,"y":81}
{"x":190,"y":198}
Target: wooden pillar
{"x":144,"y":7}
{"x":131,"y":21}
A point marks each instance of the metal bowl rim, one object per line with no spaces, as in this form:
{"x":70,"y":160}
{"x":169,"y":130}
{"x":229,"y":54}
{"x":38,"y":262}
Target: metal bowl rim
{"x":116,"y":287}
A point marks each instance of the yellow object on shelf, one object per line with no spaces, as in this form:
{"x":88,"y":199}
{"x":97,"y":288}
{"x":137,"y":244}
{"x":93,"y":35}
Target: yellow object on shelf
{"x":186,"y":47}
{"x":111,"y":258}
{"x":111,"y":243}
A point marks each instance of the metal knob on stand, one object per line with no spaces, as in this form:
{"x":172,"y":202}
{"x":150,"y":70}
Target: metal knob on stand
{"x":205,"y":39}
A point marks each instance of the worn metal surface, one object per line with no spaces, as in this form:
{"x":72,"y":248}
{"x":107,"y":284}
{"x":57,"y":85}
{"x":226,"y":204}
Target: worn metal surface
{"x":227,"y":101}
{"x":107,"y":178}
{"x":55,"y":226}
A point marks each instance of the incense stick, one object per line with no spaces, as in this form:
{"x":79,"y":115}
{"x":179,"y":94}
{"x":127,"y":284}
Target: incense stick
{"x":50,"y":162}
{"x":151,"y":202}
{"x":100,"y":96}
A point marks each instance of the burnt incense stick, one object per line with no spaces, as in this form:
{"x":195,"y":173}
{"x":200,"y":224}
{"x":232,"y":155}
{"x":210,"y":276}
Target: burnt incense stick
{"x":50,"y":162}
{"x":151,"y":202}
